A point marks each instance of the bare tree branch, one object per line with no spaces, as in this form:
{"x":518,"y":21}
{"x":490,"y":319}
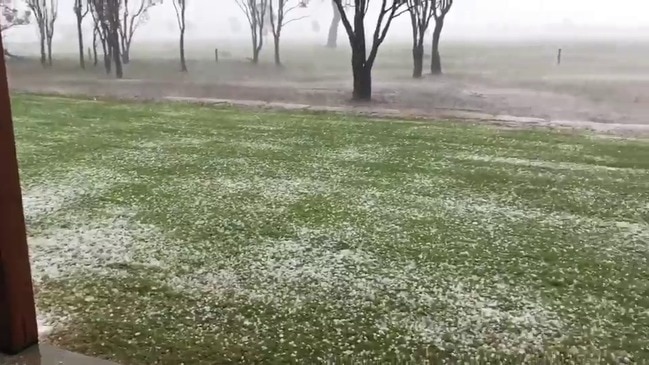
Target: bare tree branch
{"x":343,"y":15}
{"x":106,"y":14}
{"x":287,"y":22}
{"x":255,"y":12}
{"x":179,"y":7}
{"x":131,"y":19}
{"x":45,"y":13}
{"x":442,"y":7}
{"x":378,"y":40}
{"x":279,"y":18}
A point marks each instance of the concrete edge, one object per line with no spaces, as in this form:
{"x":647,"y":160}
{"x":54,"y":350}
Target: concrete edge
{"x":48,"y":355}
{"x":509,"y":121}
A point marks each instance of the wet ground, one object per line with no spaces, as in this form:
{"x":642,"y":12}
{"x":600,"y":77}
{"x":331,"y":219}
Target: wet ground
{"x":596,"y":84}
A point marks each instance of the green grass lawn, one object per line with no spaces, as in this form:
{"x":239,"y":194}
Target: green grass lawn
{"x":170,"y":233}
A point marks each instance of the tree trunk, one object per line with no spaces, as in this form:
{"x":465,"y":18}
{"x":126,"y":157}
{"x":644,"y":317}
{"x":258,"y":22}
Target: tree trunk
{"x":82,"y":61}
{"x":49,"y":52}
{"x":362,"y":83}
{"x":435,"y":59}
{"x":332,"y":39}
{"x":362,"y":73}
{"x":94,"y":48}
{"x":126,"y":55}
{"x":255,"y":55}
{"x":361,"y":69}
{"x":108,"y":65}
{"x":117,"y":57}
{"x":107,"y":56}
{"x":418,"y":60}
{"x":43,"y":55}
{"x":183,"y":64}
{"x":278,"y":61}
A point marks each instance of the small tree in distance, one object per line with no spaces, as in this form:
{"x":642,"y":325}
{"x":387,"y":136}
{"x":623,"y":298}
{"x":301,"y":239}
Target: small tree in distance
{"x":45,"y":13}
{"x":362,"y":62}
{"x":99,"y":34}
{"x":255,"y":12}
{"x":51,"y":14}
{"x":134,"y":14}
{"x":421,"y":13}
{"x":442,"y":7}
{"x":280,"y":11}
{"x":106,"y":14}
{"x":332,"y":37}
{"x":181,"y":6}
{"x":81,"y":8}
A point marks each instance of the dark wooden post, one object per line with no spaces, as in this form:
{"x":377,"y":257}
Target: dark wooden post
{"x":559,"y":57}
{"x":18,"y":328}
{"x":216,"y":55}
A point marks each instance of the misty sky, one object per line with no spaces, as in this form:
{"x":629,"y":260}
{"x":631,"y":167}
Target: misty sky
{"x":469,"y":18}
{"x":538,"y":12}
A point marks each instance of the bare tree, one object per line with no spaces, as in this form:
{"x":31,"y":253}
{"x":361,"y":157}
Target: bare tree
{"x":99,"y":33}
{"x":280,"y":16}
{"x":80,"y":12}
{"x":442,"y":7}
{"x":51,"y":14}
{"x":134,"y":14}
{"x":181,"y":6}
{"x":332,"y":37}
{"x":36,"y":6}
{"x":112,"y":22}
{"x":421,"y":13}
{"x":106,"y":14}
{"x":45,"y":12}
{"x":255,"y":12}
{"x":362,"y":61}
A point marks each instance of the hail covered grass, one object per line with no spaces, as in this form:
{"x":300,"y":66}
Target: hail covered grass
{"x":166,"y":233}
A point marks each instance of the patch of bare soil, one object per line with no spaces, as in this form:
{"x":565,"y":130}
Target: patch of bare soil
{"x":468,"y":98}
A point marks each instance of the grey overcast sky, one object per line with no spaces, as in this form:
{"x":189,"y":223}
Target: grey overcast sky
{"x":468,"y":19}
